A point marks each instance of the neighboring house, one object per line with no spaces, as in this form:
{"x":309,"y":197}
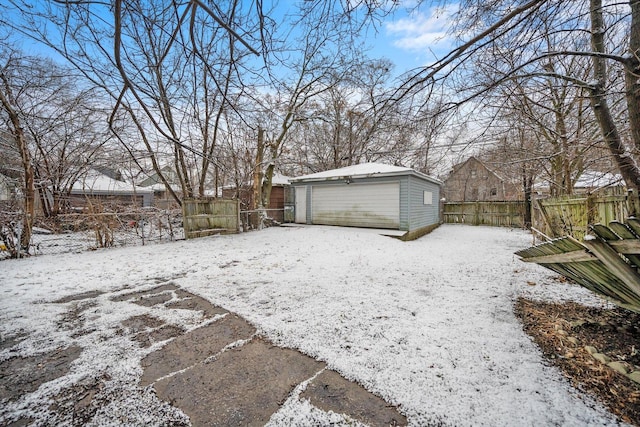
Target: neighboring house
{"x":369,"y":195}
{"x":279,"y":203}
{"x":95,"y":186}
{"x":8,"y":187}
{"x":161,"y":196}
{"x":153,"y":178}
{"x":472,"y":181}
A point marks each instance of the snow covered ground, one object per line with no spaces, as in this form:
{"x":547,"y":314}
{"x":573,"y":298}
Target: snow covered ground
{"x":428,"y":325}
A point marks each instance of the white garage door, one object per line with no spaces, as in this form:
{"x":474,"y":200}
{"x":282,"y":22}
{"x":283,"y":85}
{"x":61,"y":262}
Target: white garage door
{"x":357,"y":205}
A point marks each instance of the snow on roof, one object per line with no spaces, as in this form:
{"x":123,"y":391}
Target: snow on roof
{"x":96,"y":182}
{"x":361,"y":170}
{"x":590,"y":180}
{"x":279,"y":179}
{"x":593,"y":179}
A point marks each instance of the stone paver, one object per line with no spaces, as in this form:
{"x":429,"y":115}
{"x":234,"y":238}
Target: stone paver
{"x":79,"y":297}
{"x":199,"y":371}
{"x":190,"y":301}
{"x":24,"y":375}
{"x":143,"y":294}
{"x":141,"y":323}
{"x":243,"y":386}
{"x":195,"y":346}
{"x":332,"y":392}
{"x":147,"y":339}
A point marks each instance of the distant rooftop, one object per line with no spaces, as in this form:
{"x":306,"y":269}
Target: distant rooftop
{"x":95,"y":181}
{"x":593,"y":179}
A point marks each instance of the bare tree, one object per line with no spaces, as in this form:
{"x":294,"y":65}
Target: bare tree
{"x":11,"y":98}
{"x":607,"y":34}
{"x":172,"y":68}
{"x":67,"y":132}
{"x":319,"y":60}
{"x":552,"y":111}
{"x":176,"y":68}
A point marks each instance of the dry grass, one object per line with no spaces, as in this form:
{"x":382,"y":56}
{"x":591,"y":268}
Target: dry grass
{"x":562,"y":331}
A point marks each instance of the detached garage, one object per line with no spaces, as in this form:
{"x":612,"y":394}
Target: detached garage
{"x":369,"y":195}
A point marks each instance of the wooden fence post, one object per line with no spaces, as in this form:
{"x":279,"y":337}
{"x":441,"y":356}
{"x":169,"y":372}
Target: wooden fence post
{"x":476,"y":214}
{"x":591,"y":209}
{"x":633,"y":203}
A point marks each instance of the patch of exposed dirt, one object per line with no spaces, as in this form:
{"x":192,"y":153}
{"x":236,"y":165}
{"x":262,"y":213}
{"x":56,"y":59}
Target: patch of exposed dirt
{"x":8,"y":342}
{"x":79,"y":297}
{"x":73,"y":319}
{"x":79,"y":400}
{"x":569,"y":333}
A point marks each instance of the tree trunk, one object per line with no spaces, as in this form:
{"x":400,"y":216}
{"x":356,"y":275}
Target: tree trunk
{"x":257,"y":171}
{"x":29,"y":189}
{"x":626,"y":164}
{"x":257,"y":180}
{"x":527,"y":183}
{"x":267,"y":183}
{"x":632,"y":74}
{"x":45,"y":201}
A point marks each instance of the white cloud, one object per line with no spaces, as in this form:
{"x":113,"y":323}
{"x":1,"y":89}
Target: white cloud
{"x":423,"y":30}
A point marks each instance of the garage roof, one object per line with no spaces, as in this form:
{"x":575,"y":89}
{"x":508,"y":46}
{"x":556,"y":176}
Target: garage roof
{"x":363,"y":170}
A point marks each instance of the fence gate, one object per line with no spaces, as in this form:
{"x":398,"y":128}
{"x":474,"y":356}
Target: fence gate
{"x":205,"y":217}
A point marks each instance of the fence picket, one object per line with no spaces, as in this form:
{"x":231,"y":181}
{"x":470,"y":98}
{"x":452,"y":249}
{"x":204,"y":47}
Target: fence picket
{"x":499,"y":214}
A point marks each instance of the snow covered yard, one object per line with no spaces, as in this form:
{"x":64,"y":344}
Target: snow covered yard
{"x":428,"y":325}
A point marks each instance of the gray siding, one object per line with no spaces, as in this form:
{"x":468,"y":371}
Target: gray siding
{"x":414,"y":214}
{"x":421,"y":215}
{"x":404,"y":203}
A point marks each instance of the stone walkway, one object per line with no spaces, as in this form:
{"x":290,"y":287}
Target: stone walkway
{"x":220,"y":374}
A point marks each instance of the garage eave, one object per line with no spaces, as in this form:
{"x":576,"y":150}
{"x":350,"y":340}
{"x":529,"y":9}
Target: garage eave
{"x":345,"y":178}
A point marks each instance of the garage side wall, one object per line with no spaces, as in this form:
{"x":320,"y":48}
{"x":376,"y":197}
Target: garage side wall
{"x":423,"y":203}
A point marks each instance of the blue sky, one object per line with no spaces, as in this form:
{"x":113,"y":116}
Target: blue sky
{"x":414,"y":39}
{"x":409,"y":38}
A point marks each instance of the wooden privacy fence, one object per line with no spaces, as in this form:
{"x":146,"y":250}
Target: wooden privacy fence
{"x":205,"y":217}
{"x":500,"y":214}
{"x":571,"y":215}
{"x":568,"y":215}
{"x":606,"y":263}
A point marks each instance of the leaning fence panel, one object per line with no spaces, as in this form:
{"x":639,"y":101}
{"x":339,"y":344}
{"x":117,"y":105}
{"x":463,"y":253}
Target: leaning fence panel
{"x":606,"y":263}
